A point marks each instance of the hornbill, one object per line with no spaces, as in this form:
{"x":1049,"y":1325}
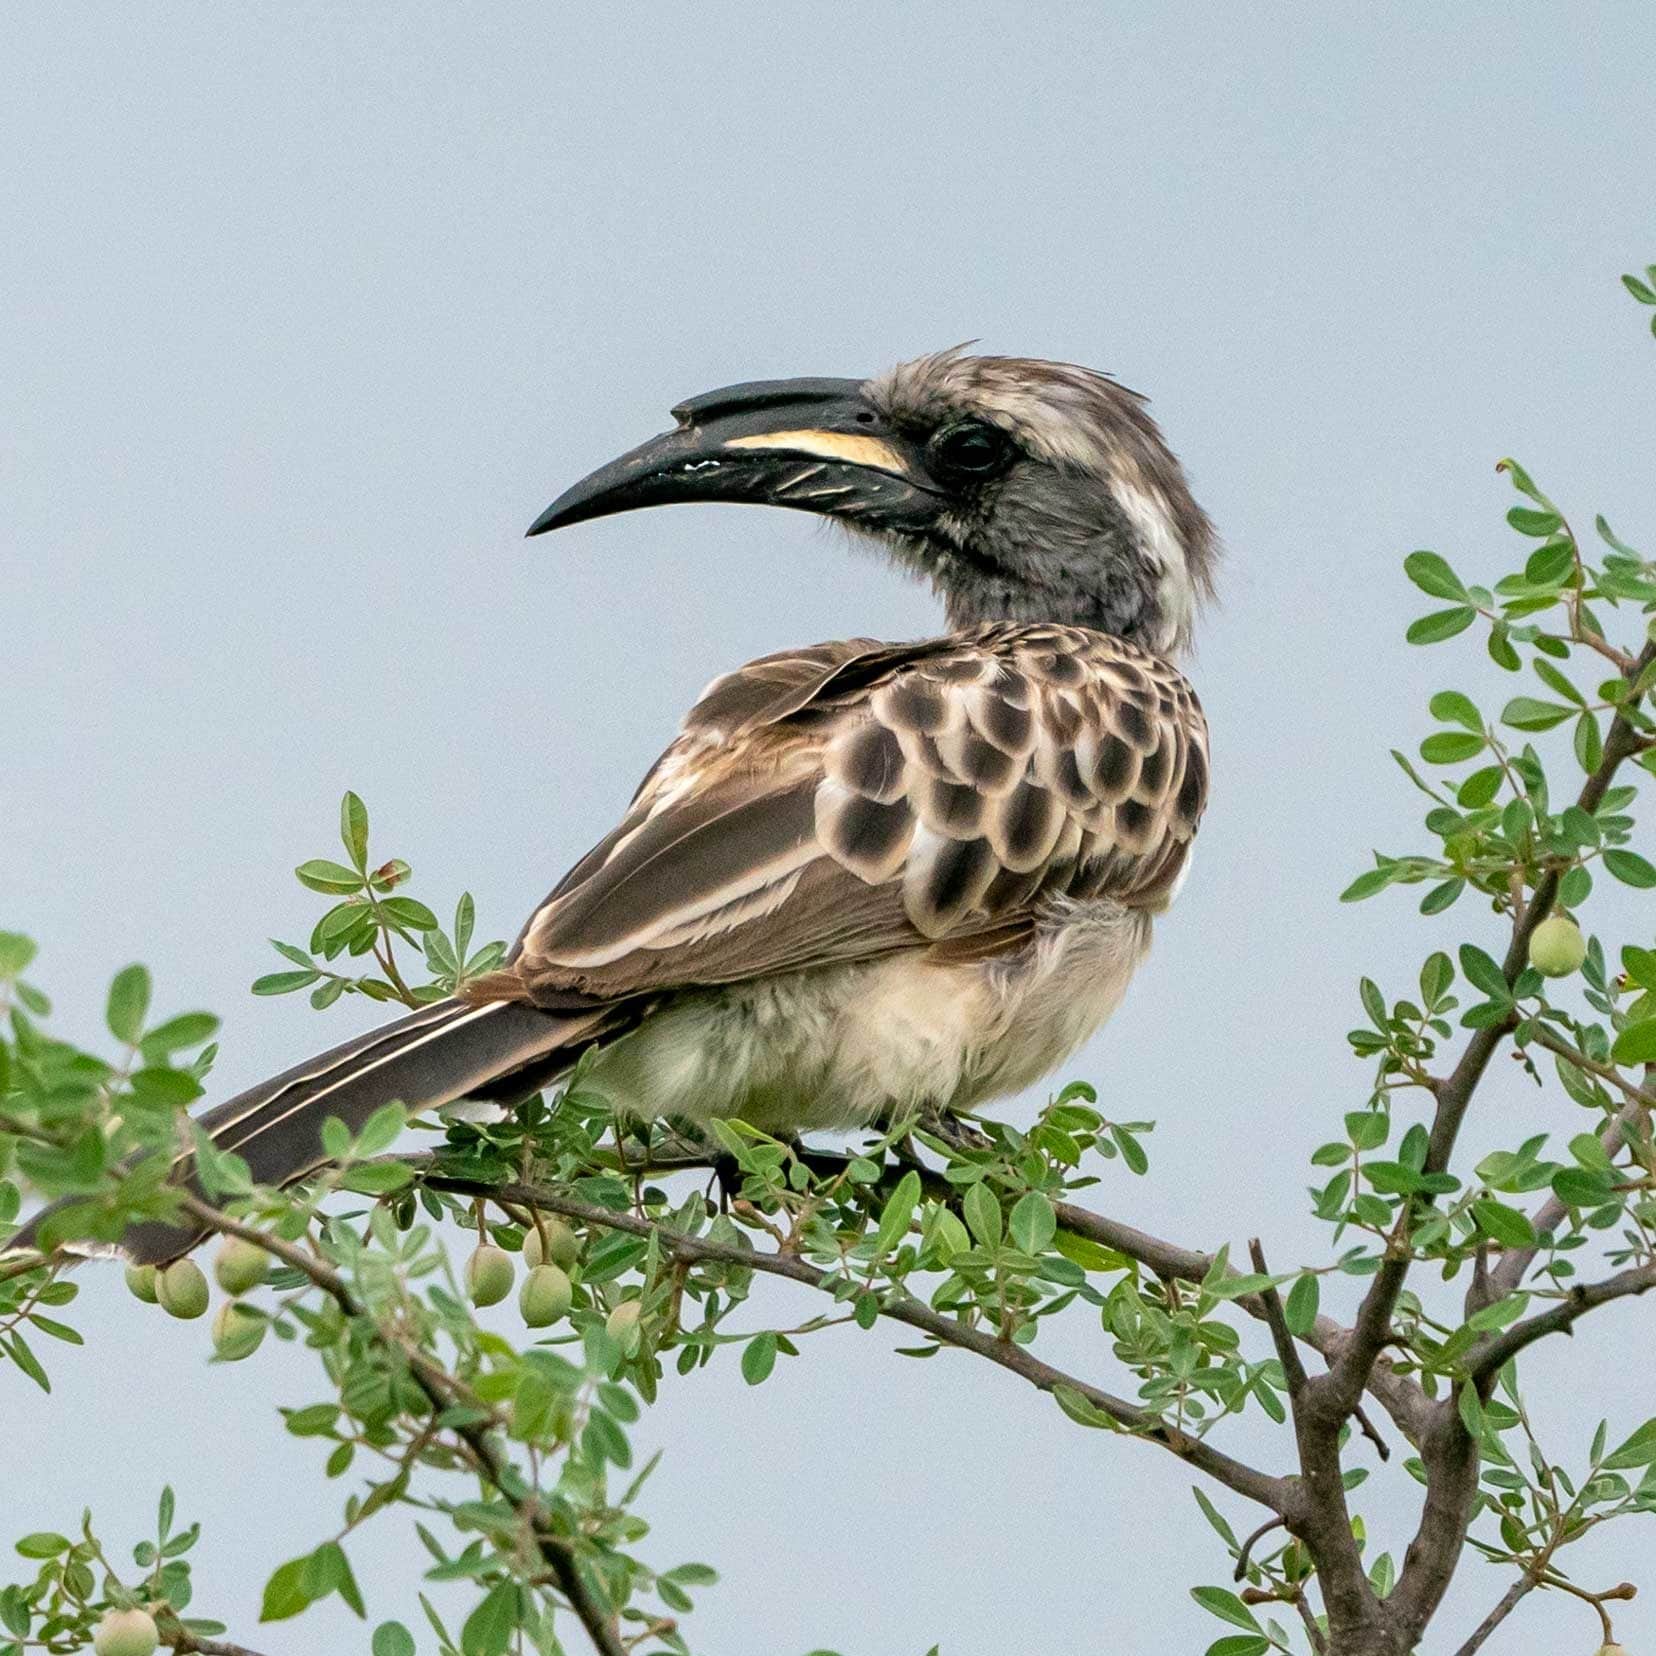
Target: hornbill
{"x":867,"y":880}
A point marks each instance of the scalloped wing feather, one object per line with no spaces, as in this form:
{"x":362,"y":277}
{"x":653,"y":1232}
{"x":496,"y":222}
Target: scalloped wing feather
{"x":855,"y":799}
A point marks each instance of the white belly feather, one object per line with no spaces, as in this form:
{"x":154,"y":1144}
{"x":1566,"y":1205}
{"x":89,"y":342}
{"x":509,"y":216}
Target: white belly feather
{"x":843,"y":1046}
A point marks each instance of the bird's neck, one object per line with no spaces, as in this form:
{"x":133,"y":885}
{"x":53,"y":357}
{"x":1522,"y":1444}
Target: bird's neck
{"x":1137,"y":611}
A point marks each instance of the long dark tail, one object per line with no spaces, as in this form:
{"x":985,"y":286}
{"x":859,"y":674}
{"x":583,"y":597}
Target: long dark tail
{"x":443,"y":1052}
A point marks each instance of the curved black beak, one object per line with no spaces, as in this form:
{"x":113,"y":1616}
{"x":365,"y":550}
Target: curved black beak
{"x":816,"y":445}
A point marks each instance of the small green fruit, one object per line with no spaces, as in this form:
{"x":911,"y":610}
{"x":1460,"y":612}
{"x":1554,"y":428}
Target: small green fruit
{"x":125,"y":1633}
{"x":1556,"y":946}
{"x":240,"y":1265}
{"x":545,"y":1295}
{"x":489,"y":1275}
{"x":181,"y":1289}
{"x":622,"y":1323}
{"x":563,"y":1246}
{"x":237,"y":1331}
{"x":140,"y":1280}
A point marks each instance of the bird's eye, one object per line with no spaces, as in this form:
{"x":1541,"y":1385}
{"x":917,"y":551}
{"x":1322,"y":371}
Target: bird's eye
{"x":969,"y":449}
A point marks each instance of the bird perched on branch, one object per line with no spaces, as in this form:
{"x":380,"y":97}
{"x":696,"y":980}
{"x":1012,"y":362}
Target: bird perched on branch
{"x":867,"y":880}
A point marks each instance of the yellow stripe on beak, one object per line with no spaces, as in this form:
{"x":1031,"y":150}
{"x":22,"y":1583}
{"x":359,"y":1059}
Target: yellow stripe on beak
{"x":848,"y":446}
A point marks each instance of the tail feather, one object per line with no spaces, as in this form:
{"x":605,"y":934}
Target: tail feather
{"x":432,"y":1057}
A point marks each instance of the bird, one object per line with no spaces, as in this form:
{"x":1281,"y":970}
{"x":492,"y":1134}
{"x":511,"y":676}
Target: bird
{"x":867,"y":882}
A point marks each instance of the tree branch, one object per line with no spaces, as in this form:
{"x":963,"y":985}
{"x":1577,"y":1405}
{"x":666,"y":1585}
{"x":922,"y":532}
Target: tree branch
{"x":900,"y":1307}
{"x":1402,"y":1398}
{"x":1293,"y":1370}
{"x":443,"y":1390}
{"x":1510,"y":1272}
{"x":1490,"y":1355}
{"x":1634,"y":1093}
{"x":1404,"y":1401}
{"x":1519,"y":1590}
{"x":1448,"y":1450}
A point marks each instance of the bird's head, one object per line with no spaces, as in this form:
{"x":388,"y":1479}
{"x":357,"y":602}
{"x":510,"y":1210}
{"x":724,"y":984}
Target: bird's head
{"x":1023,"y":490}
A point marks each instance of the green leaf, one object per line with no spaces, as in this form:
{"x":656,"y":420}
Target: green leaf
{"x":1550,"y":565}
{"x":983,"y":1214}
{"x":759,"y":1358}
{"x":1299,"y":1310}
{"x":1234,"y":1287}
{"x":1479,"y":788}
{"x":393,"y":1639}
{"x":1132,"y":1152}
{"x":1631,"y":869}
{"x":1556,"y":681}
{"x":1221,"y":1602}
{"x":16,"y":952}
{"x":897,"y":1214}
{"x":1478,"y":969}
{"x":1443,"y":896}
{"x":1639,"y":290}
{"x":1527,"y":713}
{"x":1578,"y":1187}
{"x":407,"y":912}
{"x":129,"y":998}
{"x":1440,"y":624}
{"x":1239,"y":1644}
{"x":43,"y":1544}
{"x":1638,"y":1450}
{"x":1450,"y":747}
{"x":1522,"y":481}
{"x":1454,"y":708}
{"x":1033,"y":1223}
{"x":381,"y":1129}
{"x":1365,"y":885}
{"x":1640,"y":965}
{"x":1433,"y":575}
{"x":1081,"y":1409}
{"x":333,"y":878}
{"x":284,"y":1593}
{"x":17,"y":1348}
{"x":489,"y":1628}
{"x":221,"y":1171}
{"x":188,"y":1029}
{"x":376,"y":1178}
{"x":284,"y":983}
{"x":1636,"y":1044}
{"x":1530,"y":522}
{"x":353,"y":830}
{"x":1505,"y":1224}
{"x":326,"y":994}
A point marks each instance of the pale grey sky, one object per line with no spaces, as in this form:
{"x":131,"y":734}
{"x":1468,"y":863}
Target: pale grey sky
{"x":310,"y":309}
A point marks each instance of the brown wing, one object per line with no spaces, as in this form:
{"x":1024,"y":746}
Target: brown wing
{"x":854,"y":799}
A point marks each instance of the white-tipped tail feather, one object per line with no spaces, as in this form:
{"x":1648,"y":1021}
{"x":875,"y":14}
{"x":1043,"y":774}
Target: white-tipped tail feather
{"x":430,"y":1058}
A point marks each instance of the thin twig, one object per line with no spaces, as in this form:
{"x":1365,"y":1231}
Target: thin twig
{"x":1510,"y":1272}
{"x":1246,"y":1552}
{"x":1488,"y":1358}
{"x":1293,"y":1370}
{"x":1605,"y":1072}
{"x":904,"y":1308}
{"x":441,"y":1388}
{"x":1520,"y":1589}
{"x":1366,"y":1427}
{"x":1448,"y":1451}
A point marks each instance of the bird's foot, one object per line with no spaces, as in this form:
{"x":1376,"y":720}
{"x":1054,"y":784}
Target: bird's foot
{"x":955,"y":1131}
{"x":727,"y":1179}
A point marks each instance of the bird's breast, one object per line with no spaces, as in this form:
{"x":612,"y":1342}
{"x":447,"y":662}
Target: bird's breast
{"x":842,"y":1046}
